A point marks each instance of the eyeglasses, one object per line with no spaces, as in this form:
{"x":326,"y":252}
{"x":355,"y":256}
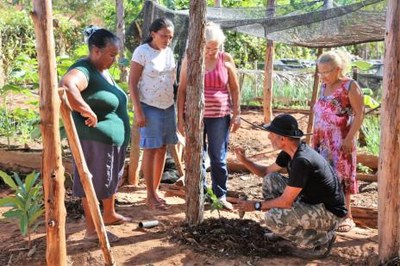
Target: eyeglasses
{"x":165,"y":36}
{"x":326,"y":72}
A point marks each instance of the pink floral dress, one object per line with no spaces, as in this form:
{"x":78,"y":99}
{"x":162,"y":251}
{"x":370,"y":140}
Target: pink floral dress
{"x":333,"y":117}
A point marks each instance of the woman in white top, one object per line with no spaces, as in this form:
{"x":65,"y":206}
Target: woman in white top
{"x":151,"y":80}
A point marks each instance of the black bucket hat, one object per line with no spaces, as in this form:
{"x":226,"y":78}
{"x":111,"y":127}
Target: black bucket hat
{"x":285,"y":125}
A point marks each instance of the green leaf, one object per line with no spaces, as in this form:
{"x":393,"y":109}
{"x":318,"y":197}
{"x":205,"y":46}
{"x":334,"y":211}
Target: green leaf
{"x":9,"y":202}
{"x":30,"y":180}
{"x":363,"y":65}
{"x":370,"y":102}
{"x":367,"y":91}
{"x":13,"y":214}
{"x":19,"y":182}
{"x":8,"y":180}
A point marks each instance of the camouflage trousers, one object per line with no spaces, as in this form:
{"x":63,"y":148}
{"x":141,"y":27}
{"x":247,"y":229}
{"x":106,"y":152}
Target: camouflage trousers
{"x":304,"y":224}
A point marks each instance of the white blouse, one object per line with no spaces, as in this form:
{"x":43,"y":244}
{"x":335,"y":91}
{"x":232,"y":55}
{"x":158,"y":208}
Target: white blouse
{"x":158,"y":76}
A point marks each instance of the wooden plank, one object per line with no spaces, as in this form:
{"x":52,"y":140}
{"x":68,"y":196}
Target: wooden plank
{"x":27,"y":161}
{"x":368,"y":160}
{"x":365,"y":217}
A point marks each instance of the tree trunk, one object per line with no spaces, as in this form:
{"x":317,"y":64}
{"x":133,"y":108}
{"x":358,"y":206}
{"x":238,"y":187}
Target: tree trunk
{"x":194,"y":113}
{"x":389,"y":157}
{"x":121,"y":35}
{"x":52,"y":168}
{"x":310,"y":125}
{"x":268,"y":69}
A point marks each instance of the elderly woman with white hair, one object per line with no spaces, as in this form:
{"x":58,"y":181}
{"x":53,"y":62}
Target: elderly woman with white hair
{"x":339,"y":113}
{"x":222,"y":106}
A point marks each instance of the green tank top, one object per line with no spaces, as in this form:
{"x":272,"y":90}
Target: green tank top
{"x":109,"y":102}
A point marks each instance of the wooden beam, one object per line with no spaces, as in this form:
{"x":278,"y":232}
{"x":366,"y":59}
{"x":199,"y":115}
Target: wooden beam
{"x":52,"y":169}
{"x":389,"y":157}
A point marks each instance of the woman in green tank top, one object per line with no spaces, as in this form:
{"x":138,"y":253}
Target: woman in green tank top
{"x":101,"y":119}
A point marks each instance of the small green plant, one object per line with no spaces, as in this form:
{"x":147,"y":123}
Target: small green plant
{"x":215,"y":202}
{"x":371,"y":129}
{"x":27,"y":202}
{"x":364,"y":169}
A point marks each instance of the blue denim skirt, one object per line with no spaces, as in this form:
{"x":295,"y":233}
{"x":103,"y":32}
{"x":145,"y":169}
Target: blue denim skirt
{"x":160,"y":129}
{"x":106,"y":164}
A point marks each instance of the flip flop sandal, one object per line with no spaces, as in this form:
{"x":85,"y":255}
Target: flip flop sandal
{"x":119,"y":221}
{"x":112,"y":238}
{"x":346,"y":226}
{"x":158,"y":206}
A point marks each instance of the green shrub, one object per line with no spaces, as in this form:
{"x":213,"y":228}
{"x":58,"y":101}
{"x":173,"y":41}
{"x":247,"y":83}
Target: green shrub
{"x":27,"y":202}
{"x":371,"y":129}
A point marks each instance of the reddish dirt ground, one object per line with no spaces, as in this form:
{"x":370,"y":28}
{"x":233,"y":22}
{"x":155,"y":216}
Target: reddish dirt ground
{"x":160,"y":246}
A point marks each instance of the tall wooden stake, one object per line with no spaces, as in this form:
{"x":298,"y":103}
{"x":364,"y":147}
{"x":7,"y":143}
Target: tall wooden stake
{"x":268,"y":70}
{"x":52,"y":169}
{"x":389,"y":157}
{"x":86,"y":178}
{"x":134,"y":156}
{"x":194,"y":114}
{"x":310,"y":125}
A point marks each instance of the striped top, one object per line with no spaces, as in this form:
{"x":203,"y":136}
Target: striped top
{"x":216,"y":93}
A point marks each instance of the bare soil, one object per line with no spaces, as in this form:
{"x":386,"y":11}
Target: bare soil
{"x":222,"y":239}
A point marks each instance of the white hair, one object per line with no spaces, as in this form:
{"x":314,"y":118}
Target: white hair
{"x":214,"y":33}
{"x":339,"y":58}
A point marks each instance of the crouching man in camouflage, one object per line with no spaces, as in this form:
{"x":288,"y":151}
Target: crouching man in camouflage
{"x":305,"y":208}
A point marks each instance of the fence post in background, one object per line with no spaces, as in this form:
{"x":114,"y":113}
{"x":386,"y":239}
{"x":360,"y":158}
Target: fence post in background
{"x":310,"y":124}
{"x":268,"y":69}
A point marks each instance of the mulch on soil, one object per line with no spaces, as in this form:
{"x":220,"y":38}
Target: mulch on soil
{"x":229,"y":237}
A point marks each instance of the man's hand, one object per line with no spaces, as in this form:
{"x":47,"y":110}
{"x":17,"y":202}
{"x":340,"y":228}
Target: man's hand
{"x":245,"y":205}
{"x":240,"y":153}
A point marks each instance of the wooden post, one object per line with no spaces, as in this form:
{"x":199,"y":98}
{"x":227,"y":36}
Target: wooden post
{"x":194,"y":115}
{"x":86,"y":178}
{"x":268,"y":70}
{"x":134,"y":156}
{"x":52,"y":169}
{"x":310,"y":124}
{"x":389,"y":157}
{"x":123,"y":77}
{"x":2,"y":75}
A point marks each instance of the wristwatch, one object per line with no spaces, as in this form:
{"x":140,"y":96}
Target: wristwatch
{"x":257,"y":205}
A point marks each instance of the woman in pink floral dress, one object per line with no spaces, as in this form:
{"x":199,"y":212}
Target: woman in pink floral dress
{"x":339,"y":112}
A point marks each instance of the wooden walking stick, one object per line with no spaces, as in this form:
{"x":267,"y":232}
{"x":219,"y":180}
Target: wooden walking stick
{"x":85,"y":177}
